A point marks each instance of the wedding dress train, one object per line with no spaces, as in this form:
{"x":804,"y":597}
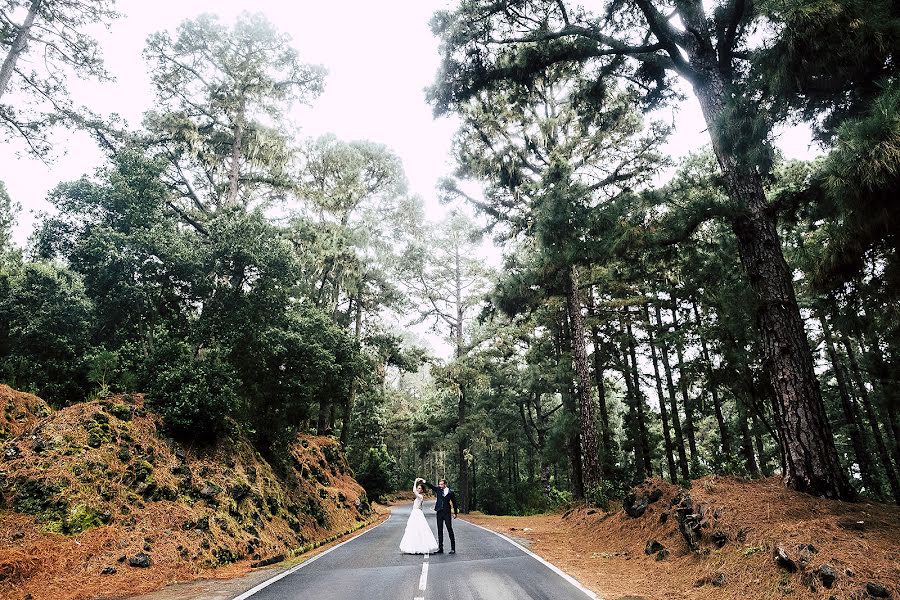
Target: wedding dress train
{"x":418,"y":538}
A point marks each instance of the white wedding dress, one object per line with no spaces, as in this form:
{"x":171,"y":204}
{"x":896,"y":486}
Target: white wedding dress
{"x":418,"y":539}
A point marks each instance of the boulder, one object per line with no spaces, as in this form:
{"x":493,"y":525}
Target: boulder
{"x":827,"y":575}
{"x":653,"y":547}
{"x":140,"y":560}
{"x":783,"y":560}
{"x":876,"y":590}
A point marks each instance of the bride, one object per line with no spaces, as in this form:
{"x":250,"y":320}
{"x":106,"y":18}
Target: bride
{"x":418,"y":539}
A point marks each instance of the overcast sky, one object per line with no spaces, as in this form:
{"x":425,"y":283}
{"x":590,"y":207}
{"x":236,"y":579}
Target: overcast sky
{"x":379,"y":55}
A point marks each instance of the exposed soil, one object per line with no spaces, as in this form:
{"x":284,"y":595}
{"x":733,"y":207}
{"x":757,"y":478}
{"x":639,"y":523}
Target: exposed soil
{"x":606,"y":550}
{"x":90,"y":492}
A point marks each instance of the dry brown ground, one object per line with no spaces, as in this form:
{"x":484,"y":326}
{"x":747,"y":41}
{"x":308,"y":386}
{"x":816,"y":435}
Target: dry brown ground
{"x":84,"y":488}
{"x":605,"y":551}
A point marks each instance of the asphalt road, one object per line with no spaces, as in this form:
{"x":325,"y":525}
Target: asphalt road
{"x":371,"y":567}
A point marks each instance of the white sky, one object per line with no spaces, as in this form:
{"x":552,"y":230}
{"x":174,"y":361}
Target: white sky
{"x":380,"y":57}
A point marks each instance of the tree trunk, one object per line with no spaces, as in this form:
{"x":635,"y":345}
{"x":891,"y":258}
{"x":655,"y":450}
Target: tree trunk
{"x":663,"y":411}
{"x":851,"y":415}
{"x":608,"y":444}
{"x":872,"y":420}
{"x":351,"y":396}
{"x":237,"y":151}
{"x":640,"y":471}
{"x":760,"y":446}
{"x":682,"y":383}
{"x":590,"y":447}
{"x":746,"y":440}
{"x":639,"y":398}
{"x":673,"y":397}
{"x":20,"y":43}
{"x":570,"y":405}
{"x":724,"y":435}
{"x":811,"y":459}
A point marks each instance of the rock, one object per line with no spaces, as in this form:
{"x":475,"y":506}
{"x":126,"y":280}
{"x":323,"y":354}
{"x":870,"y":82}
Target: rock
{"x":662,"y":554}
{"x":140,"y":560}
{"x":635,"y":506}
{"x":827,"y":575}
{"x":108,"y":571}
{"x":664,"y":517}
{"x":689,"y":522}
{"x":652,"y":547}
{"x":877,"y":590}
{"x":11,"y":452}
{"x":782,"y":559}
{"x":655,"y":494}
{"x":718,"y":580}
{"x":719,"y":538}
{"x":742,"y":535}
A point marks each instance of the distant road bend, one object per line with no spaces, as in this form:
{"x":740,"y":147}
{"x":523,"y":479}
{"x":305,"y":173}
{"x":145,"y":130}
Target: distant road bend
{"x":486,"y":566}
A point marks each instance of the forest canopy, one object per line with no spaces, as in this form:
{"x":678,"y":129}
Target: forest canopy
{"x":737,"y":317}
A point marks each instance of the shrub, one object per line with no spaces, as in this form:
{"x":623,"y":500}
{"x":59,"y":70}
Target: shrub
{"x":194,"y":396}
{"x":375,"y":472}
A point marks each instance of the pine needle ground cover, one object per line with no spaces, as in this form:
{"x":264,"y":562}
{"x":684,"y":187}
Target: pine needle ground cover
{"x":96,"y":502}
{"x":737,"y":527}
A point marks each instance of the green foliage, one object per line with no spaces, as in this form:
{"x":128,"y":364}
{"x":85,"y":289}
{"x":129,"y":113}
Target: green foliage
{"x":47,"y":317}
{"x":195,"y":394}
{"x":375,"y":472}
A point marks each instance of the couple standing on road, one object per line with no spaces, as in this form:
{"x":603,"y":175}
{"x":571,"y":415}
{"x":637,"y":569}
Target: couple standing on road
{"x":418,"y":538}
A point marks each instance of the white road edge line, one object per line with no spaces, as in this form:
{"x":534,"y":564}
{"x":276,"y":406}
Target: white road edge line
{"x":269,"y":582}
{"x":423,"y":580}
{"x":550,"y":566}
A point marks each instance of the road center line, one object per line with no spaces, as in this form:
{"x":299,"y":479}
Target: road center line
{"x":423,"y":580}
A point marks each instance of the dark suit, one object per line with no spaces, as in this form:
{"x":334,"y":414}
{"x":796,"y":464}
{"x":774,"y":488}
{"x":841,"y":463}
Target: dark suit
{"x":442,"y":507}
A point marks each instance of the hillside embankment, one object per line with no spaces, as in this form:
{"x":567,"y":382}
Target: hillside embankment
{"x":724,"y":538}
{"x":96,"y":502}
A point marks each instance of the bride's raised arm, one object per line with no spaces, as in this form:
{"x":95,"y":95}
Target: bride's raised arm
{"x":416,"y":487}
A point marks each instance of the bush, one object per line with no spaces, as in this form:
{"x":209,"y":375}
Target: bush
{"x":194,"y":396}
{"x":375,"y":472}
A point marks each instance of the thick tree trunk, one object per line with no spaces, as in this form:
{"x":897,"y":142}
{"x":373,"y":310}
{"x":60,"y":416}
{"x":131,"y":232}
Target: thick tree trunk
{"x":673,"y":398}
{"x":851,"y":415}
{"x":19,"y":44}
{"x":322,"y":420}
{"x":724,"y":434}
{"x":590,"y":443}
{"x":663,"y":411}
{"x":811,"y":461}
{"x":570,"y":405}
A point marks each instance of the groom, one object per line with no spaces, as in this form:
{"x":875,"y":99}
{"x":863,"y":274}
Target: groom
{"x":445,"y":497}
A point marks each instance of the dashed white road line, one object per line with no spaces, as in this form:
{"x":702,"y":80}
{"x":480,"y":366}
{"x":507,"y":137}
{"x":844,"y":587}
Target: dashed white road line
{"x":423,"y":580}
